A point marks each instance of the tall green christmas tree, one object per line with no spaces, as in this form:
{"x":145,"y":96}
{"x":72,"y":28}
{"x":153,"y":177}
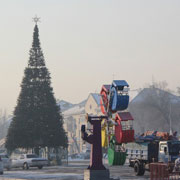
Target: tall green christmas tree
{"x":37,"y":120}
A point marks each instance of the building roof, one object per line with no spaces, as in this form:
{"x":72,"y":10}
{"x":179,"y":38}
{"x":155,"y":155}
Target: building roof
{"x":96,"y":97}
{"x":76,"y":109}
{"x":150,"y":91}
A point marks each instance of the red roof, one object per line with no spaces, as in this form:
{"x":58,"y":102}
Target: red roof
{"x":124,"y":116}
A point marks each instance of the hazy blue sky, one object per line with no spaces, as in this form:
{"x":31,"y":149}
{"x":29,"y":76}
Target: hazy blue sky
{"x":85,"y":42}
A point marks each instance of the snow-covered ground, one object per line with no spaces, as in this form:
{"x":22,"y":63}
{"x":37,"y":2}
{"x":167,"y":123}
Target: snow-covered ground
{"x":16,"y":175}
{"x":73,"y":171}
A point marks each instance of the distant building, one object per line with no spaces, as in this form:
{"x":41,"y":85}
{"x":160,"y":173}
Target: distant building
{"x":92,"y":105}
{"x":74,"y":118}
{"x":2,"y":145}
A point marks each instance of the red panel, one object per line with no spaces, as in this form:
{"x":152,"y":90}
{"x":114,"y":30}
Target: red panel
{"x":123,"y":136}
{"x":104,"y":98}
{"x":102,"y":107}
{"x":118,"y":132}
{"x":127,"y":136}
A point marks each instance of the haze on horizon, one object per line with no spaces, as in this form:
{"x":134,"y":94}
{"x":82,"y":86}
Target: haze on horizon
{"x":86,"y":43}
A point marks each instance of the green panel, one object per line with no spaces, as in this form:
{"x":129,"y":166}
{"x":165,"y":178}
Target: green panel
{"x":116,"y":158}
{"x":110,"y":156}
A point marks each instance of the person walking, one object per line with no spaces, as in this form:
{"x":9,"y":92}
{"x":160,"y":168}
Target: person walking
{"x":177,"y":164}
{"x":1,"y":166}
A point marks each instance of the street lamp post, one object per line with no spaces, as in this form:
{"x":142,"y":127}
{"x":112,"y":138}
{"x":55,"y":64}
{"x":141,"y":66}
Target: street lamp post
{"x":67,"y":154}
{"x":170,"y":123}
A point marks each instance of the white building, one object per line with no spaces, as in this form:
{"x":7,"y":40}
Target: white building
{"x":74,"y":118}
{"x":92,"y":106}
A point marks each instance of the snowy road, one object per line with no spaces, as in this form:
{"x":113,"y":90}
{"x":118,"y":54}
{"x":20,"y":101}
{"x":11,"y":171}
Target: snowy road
{"x":17,"y":175}
{"x":74,"y":171}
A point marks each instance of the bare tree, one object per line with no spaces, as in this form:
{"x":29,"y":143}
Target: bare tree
{"x":178,"y":90}
{"x":75,"y":141}
{"x":158,"y":97}
{"x":3,"y":125}
{"x":158,"y":109}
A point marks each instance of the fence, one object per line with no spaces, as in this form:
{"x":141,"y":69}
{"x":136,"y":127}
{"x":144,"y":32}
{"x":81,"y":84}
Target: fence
{"x":163,"y":171}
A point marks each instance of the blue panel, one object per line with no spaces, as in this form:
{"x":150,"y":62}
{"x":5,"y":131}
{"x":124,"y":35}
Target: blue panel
{"x":123,"y":101}
{"x":119,"y":84}
{"x":118,"y":102}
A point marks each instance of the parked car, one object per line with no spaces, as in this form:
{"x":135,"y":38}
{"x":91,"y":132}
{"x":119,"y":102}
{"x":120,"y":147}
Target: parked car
{"x":6,"y":161}
{"x":1,"y":166}
{"x":29,"y":160}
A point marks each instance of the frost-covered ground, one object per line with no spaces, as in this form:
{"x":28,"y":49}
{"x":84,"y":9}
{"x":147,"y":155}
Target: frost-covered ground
{"x":16,"y":175}
{"x":74,"y":171}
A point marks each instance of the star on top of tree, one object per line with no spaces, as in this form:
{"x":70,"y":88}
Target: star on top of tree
{"x":36,"y":19}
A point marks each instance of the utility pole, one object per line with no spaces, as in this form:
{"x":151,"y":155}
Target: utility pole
{"x":170,"y":123}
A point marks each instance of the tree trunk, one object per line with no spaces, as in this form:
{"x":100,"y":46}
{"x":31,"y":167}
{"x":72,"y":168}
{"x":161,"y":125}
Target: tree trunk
{"x":58,"y":158}
{"x":36,"y":150}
